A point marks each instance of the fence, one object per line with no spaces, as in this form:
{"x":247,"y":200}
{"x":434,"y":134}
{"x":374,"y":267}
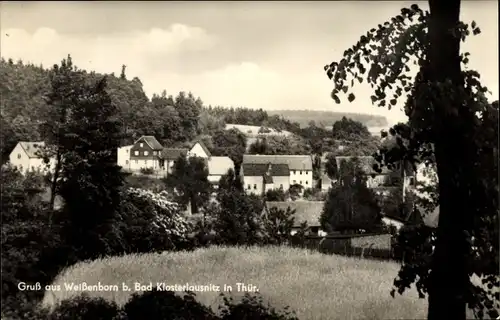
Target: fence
{"x":359,"y":245}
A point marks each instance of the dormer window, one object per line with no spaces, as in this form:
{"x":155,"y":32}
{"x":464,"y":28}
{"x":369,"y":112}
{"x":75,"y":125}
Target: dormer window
{"x":154,"y":153}
{"x":141,"y":144}
{"x":136,"y":153}
{"x":145,"y":153}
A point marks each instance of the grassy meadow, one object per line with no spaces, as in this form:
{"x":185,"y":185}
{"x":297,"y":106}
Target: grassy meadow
{"x":316,"y":286}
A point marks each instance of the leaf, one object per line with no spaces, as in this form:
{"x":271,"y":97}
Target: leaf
{"x":393,"y":102}
{"x":476,"y":31}
{"x":351,"y":97}
{"x":335,"y":98}
{"x":345,"y":88}
{"x":473,"y":25}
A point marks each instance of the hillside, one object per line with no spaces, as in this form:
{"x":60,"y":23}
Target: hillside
{"x":172,"y":119}
{"x":327,"y":118}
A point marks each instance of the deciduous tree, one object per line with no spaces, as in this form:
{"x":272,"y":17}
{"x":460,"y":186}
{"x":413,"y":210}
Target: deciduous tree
{"x":450,"y":122}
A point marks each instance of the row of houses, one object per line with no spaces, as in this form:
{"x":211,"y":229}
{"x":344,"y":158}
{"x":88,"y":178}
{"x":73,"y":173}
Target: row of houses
{"x":259,"y":173}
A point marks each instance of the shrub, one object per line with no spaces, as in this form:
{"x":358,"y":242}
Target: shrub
{"x":85,"y":308}
{"x":166,"y":305}
{"x":149,"y":222}
{"x":147,"y":171}
{"x":146,"y":183}
{"x":250,"y":308}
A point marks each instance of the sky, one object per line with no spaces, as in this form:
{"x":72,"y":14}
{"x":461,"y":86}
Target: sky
{"x":267,"y":55}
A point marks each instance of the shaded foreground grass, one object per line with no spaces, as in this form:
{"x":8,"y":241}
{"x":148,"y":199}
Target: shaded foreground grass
{"x":315,"y":286}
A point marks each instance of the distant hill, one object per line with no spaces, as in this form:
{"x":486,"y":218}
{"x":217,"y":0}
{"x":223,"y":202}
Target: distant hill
{"x":327,"y":118}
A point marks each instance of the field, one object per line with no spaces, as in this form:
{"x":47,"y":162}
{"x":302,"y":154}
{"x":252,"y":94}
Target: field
{"x":315,"y":286}
{"x":327,"y":118}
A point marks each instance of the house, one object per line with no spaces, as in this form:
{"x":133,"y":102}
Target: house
{"x":27,"y":156}
{"x":217,"y":167}
{"x":123,"y":157}
{"x":305,"y":211}
{"x":299,"y":166}
{"x":258,"y":178}
{"x":145,"y":153}
{"x":199,"y":150}
{"x":386,"y":177}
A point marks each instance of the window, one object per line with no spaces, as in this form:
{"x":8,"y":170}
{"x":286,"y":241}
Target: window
{"x":294,"y":172}
{"x":294,"y":181}
{"x":307,"y":182}
{"x":281,"y":186}
{"x":154,"y":153}
{"x":19,"y":156}
{"x":249,"y":187}
{"x":300,"y":172}
{"x":126,"y":150}
{"x":255,"y":187}
{"x":300,"y":182}
{"x":136,"y":153}
{"x":141,"y":144}
{"x":306,"y":173}
{"x":145,"y":153}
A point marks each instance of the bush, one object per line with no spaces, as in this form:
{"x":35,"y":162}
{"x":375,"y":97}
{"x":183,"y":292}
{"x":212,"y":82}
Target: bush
{"x":149,"y":222}
{"x":165,"y":305}
{"x":250,"y":308}
{"x":161,"y":305}
{"x":86,"y":308}
{"x":147,"y":171}
{"x":145,"y":183}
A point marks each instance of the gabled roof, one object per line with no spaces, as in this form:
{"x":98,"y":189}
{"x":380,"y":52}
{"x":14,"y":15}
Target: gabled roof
{"x":219,"y":165}
{"x":260,"y":169}
{"x":173,"y":153}
{"x":294,"y":162}
{"x":305,"y":211}
{"x":31,"y":148}
{"x":203,"y":146}
{"x":430,"y":219}
{"x":151,"y":141}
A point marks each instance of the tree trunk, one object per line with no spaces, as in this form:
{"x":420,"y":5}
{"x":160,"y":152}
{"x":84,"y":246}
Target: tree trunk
{"x":454,"y":157}
{"x":53,"y":187}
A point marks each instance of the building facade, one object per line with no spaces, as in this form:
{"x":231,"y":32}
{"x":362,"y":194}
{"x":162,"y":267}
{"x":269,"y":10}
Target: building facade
{"x":300,"y":166}
{"x":27,"y":156}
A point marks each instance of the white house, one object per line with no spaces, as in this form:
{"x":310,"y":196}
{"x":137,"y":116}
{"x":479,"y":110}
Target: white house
{"x":217,"y":167}
{"x":199,"y":150}
{"x":123,"y":157}
{"x":26,"y":156}
{"x":300,"y":166}
{"x":145,"y":153}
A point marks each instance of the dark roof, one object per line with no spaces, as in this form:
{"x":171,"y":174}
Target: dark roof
{"x":260,"y":169}
{"x":294,"y":162}
{"x":305,"y":211}
{"x":173,"y":153}
{"x":430,"y":219}
{"x":151,"y":141}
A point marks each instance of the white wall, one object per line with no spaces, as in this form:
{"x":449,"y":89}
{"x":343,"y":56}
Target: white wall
{"x":138,"y":164}
{"x":18,"y":158}
{"x":306,"y":177}
{"x":197,"y":151}
{"x":214,"y":178}
{"x":390,"y":222}
{"x":123,"y":156}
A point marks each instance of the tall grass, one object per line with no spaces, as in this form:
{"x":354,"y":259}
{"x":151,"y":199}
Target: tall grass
{"x":316,"y":286}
